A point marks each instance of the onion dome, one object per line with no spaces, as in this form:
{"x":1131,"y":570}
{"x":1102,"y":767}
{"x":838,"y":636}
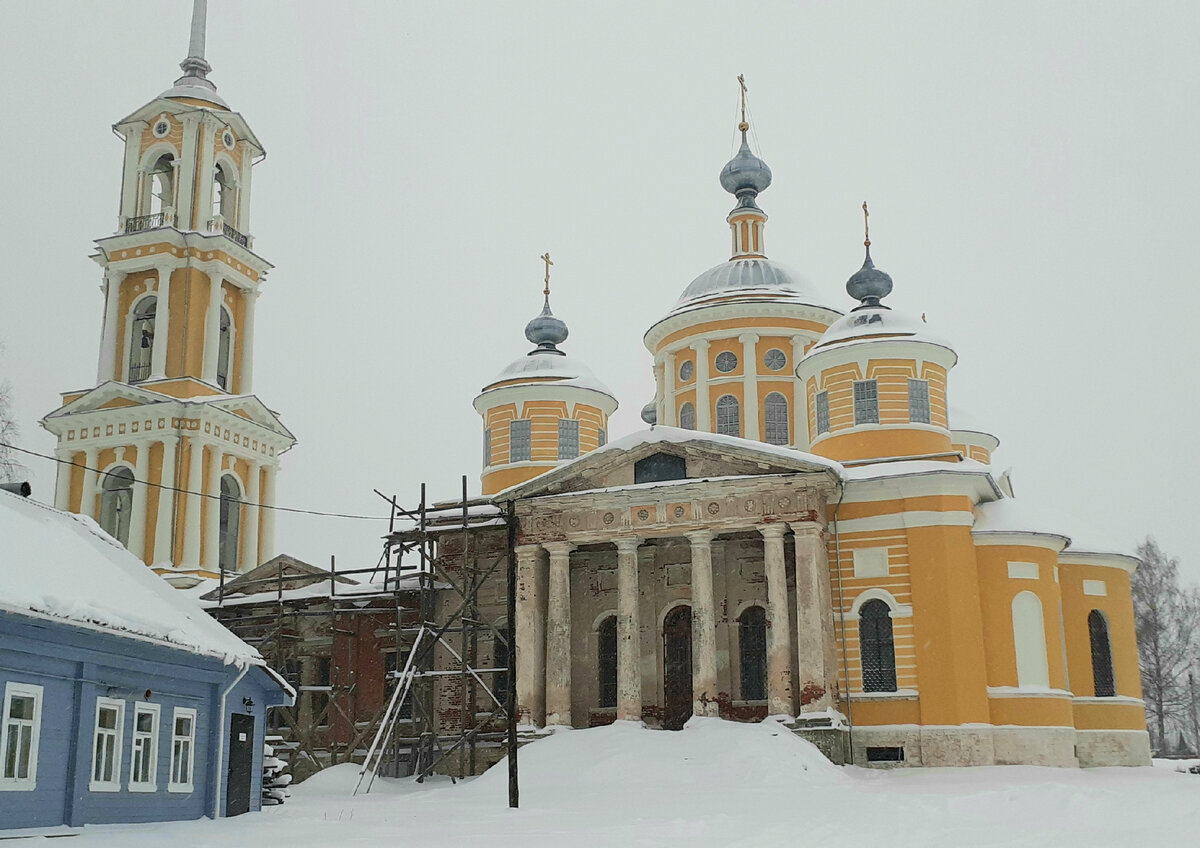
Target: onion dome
{"x":546,"y":331}
{"x":745,"y":175}
{"x":650,"y":413}
{"x":869,"y":284}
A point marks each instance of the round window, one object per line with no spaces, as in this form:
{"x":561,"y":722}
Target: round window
{"x":227,"y":138}
{"x":726,"y":361}
{"x":162,"y":128}
{"x":775,"y":359}
{"x":686,"y":370}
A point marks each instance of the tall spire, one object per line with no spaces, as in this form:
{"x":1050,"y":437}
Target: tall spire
{"x":195,"y":68}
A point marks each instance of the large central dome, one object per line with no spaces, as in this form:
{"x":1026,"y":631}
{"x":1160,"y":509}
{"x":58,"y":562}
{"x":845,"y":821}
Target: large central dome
{"x":747,"y":276}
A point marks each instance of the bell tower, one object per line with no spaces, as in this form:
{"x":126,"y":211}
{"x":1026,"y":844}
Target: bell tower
{"x":171,"y":452}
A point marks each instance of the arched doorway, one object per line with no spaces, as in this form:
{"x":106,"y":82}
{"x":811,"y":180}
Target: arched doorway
{"x":677,"y":668}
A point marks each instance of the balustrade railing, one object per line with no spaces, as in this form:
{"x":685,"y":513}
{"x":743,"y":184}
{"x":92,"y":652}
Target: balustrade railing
{"x":139,"y":223}
{"x":218,"y":225}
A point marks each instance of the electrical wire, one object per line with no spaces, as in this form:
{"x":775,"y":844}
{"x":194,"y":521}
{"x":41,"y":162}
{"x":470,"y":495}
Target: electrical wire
{"x":202,"y":494}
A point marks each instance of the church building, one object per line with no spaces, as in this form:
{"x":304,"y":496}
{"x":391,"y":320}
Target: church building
{"x":165,"y":447}
{"x":803,"y":531}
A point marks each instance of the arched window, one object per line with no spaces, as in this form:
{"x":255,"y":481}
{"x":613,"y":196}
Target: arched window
{"x":752,"y":649}
{"x":606,"y":666}
{"x":161,"y":183}
{"x":729,"y":422}
{"x":116,"y":503}
{"x":1103,"y":679}
{"x":231,"y":519}
{"x":775,"y":413}
{"x":222,"y":195}
{"x":224,"y":343}
{"x":687,"y":417}
{"x":876,"y":647}
{"x":501,"y":680}
{"x":141,"y":338}
{"x":1029,"y":639}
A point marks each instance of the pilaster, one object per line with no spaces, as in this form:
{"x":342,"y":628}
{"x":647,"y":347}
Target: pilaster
{"x":750,"y":425}
{"x":139,"y":502}
{"x":816,"y":682}
{"x":629,"y":654}
{"x":530,"y":637}
{"x":195,"y":495}
{"x":249,"y":531}
{"x":91,"y":479}
{"x":107,"y":369}
{"x":779,"y":641}
{"x":166,"y":504}
{"x":704,"y":626}
{"x":703,"y":408}
{"x":558,"y":635}
{"x":212,"y":510}
{"x":212,"y":328}
{"x":162,"y":324}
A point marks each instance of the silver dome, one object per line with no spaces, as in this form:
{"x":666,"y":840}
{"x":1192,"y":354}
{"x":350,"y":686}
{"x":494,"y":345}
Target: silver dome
{"x":745,"y":175}
{"x":545,"y":330}
{"x":868,"y":284}
{"x":747,"y":275}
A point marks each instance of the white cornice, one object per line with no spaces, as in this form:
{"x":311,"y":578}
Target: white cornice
{"x":739,"y":309}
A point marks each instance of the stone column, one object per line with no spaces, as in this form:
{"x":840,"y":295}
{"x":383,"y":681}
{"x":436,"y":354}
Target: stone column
{"x":812,"y":612}
{"x":750,"y":425}
{"x":91,"y":479}
{"x":704,"y":626}
{"x":195,"y":496}
{"x":670,"y":371}
{"x":212,"y":328}
{"x":246,"y":363}
{"x":249,"y":531}
{"x":703,"y":412}
{"x":799,"y":419}
{"x":558,"y":635}
{"x":163,"y":550}
{"x":62,"y":479}
{"x":779,"y":631}
{"x":266,"y":530}
{"x":530,"y":637}
{"x":162,"y":325}
{"x":212,"y":511}
{"x":108,"y":338}
{"x":139,"y":502}
{"x":629,"y":654}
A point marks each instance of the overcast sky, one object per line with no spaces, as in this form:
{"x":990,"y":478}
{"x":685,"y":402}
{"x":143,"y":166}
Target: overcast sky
{"x":1032,"y":171}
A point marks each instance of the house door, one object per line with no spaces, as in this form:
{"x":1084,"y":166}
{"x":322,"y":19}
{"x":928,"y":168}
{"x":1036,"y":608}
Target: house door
{"x":677,"y":668}
{"x":241,"y":764}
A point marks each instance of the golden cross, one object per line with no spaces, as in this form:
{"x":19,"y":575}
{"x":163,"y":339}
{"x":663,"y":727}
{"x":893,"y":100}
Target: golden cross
{"x":743,"y":126}
{"x":866,"y":225}
{"x":546,"y":259}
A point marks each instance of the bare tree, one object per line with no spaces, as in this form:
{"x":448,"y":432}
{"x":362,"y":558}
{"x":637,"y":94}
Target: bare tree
{"x":1167,"y":617}
{"x":10,"y":469}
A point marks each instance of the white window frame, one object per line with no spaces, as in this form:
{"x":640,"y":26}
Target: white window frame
{"x":520,"y":435}
{"x":775,"y":430}
{"x":172,"y":785}
{"x":919,"y":410}
{"x":118,"y":735}
{"x":866,"y":402}
{"x":141,"y":741}
{"x":568,"y":438}
{"x":13,"y":689}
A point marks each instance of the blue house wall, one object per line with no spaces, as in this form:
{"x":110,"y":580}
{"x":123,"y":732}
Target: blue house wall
{"x":75,"y":666}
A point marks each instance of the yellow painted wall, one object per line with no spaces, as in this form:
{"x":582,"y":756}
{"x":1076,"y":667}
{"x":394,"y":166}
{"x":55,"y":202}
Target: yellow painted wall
{"x":544,"y":417}
{"x":997,"y":591}
{"x":868,"y":713}
{"x":1117,"y":607}
{"x":1032,"y":712}
{"x":734,"y":326}
{"x":1097,"y":715}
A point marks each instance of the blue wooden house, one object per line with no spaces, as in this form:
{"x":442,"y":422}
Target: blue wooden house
{"x":122,"y":700}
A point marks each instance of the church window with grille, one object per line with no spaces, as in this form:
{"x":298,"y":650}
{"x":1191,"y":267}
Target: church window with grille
{"x":775,"y":416}
{"x":606,"y":665}
{"x":775,"y":359}
{"x":519,"y":435}
{"x":726,"y":361}
{"x":866,"y":402}
{"x":601,"y":437}
{"x":729,"y":422}
{"x":687,"y":417}
{"x":116,"y":503}
{"x":918,"y":401}
{"x":141,"y":339}
{"x":822,"y":404}
{"x":231,"y":514}
{"x":876,"y":647}
{"x":487,"y":447}
{"x":568,"y":438}
{"x":1103,"y":679}
{"x":752,"y":651}
{"x":686,"y":370}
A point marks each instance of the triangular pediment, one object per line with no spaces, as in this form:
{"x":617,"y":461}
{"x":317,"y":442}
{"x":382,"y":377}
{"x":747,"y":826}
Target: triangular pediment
{"x":159,"y":105}
{"x":283,"y":572}
{"x":252,"y":409}
{"x":660,"y":454}
{"x":110,"y":395}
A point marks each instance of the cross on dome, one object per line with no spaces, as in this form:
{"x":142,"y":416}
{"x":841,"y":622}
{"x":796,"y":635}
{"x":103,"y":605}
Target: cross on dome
{"x":546,"y":331}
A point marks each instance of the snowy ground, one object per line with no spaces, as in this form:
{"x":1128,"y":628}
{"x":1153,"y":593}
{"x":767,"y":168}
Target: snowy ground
{"x":715,"y":783}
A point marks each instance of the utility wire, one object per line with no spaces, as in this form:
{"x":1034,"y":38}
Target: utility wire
{"x":202,"y":494}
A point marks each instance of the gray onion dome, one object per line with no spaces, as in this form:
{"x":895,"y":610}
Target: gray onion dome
{"x":745,"y":175}
{"x":868,"y":284}
{"x":650,"y":413}
{"x":546,"y":331}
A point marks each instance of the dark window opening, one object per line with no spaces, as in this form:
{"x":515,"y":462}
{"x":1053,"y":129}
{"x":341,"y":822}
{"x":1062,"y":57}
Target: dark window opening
{"x":607,"y":661}
{"x":658,"y":467}
{"x":752,"y":645}
{"x":1102,"y":664}
{"x":876,"y":647}
{"x":320,"y":700}
{"x":885,"y":755}
{"x":502,"y":680}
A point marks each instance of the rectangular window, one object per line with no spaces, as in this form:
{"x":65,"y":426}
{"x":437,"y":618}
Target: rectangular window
{"x":106,"y":750}
{"x":601,"y":437}
{"x":143,"y":763}
{"x":822,"y":400}
{"x":22,"y":729}
{"x":487,"y":448}
{"x":885,"y":755}
{"x":568,"y":439}
{"x":918,"y":401}
{"x":183,"y":744}
{"x":519,"y":436}
{"x":866,"y":402}
{"x":320,"y":697}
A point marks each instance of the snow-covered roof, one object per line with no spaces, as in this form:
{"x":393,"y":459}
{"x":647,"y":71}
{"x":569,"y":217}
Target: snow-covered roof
{"x":558,"y":368}
{"x":63,"y":566}
{"x":661,"y":434}
{"x":750,"y":278}
{"x":913,"y":467}
{"x":874,"y":323}
{"x":1011,"y":515}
